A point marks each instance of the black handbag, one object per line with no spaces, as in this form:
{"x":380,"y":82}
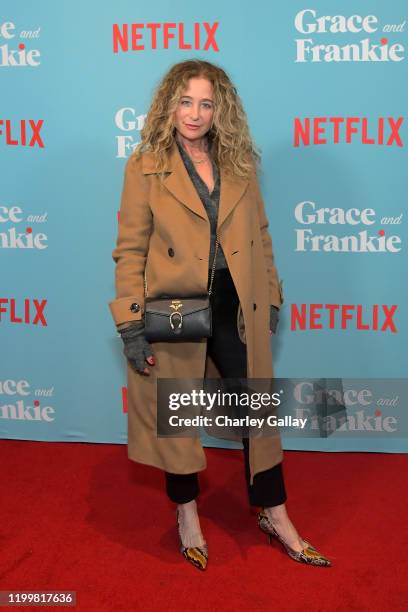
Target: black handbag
{"x":178,"y":317}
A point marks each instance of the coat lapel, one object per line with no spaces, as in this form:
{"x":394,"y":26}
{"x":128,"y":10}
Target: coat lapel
{"x":231,"y":191}
{"x":180,"y":185}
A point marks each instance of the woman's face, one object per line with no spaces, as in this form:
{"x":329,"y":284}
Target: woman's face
{"x":195,"y":109}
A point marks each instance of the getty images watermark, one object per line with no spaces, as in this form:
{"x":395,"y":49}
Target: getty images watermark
{"x":232,"y":408}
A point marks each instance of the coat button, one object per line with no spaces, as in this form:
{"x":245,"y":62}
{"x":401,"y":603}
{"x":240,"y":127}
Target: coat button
{"x":252,"y":243}
{"x":170,"y":252}
{"x":254,"y":306}
{"x":135,"y":307}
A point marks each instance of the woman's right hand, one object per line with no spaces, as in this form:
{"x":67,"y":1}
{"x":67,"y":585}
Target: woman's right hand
{"x":136,"y":347}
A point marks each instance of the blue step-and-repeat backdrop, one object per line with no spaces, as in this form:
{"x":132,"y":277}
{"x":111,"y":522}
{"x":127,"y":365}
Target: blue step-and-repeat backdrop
{"x":325,"y":88}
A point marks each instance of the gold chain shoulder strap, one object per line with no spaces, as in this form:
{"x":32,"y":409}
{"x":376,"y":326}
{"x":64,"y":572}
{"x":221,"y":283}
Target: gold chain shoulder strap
{"x":213,"y":267}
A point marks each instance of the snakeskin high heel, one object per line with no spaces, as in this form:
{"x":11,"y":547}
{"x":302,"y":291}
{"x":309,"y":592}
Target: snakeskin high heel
{"x":309,"y":554}
{"x":197,"y":555}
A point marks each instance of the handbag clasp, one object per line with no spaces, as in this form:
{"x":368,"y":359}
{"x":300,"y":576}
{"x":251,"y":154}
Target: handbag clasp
{"x":176,"y":304}
{"x":180,"y":320}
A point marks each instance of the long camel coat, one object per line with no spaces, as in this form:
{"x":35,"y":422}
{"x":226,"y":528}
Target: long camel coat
{"x":165,"y":232}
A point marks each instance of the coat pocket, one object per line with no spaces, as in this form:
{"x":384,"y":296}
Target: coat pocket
{"x":241,"y":324}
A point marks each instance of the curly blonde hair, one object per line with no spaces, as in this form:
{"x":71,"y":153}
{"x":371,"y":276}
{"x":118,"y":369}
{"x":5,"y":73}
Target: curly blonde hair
{"x":232,"y":145}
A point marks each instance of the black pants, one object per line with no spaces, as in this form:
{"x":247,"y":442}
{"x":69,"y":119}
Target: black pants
{"x":229,"y":355}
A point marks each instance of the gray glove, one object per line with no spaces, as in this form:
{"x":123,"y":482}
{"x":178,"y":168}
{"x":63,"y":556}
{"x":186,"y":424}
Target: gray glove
{"x":136,"y":347}
{"x":273,"y":318}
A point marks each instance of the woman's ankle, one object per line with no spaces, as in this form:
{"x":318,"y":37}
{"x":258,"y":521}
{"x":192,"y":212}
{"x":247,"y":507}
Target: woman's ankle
{"x":188,"y":508}
{"x":276,"y":513}
{"x":189,"y":525}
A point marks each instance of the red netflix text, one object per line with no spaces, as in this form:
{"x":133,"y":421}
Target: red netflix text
{"x":23,"y":133}
{"x":28,"y":311}
{"x":140,"y":36}
{"x":336,"y":130}
{"x":375,"y":317}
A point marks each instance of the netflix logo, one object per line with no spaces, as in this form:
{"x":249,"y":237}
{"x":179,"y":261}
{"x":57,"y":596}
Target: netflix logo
{"x":343,"y":316}
{"x":124,"y":400}
{"x":141,"y":36}
{"x":347,"y":130}
{"x":24,"y":133}
{"x":28,"y":311}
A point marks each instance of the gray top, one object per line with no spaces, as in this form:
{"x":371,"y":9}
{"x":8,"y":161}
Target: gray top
{"x":211,"y":204}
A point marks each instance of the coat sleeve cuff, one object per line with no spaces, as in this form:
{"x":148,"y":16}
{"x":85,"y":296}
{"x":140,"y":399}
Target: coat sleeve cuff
{"x":127,"y":309}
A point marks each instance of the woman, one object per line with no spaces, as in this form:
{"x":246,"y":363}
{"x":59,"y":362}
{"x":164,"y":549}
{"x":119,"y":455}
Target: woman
{"x":193,"y":177}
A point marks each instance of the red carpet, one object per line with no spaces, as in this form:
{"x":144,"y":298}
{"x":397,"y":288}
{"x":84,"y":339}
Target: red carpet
{"x":83,"y":517}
